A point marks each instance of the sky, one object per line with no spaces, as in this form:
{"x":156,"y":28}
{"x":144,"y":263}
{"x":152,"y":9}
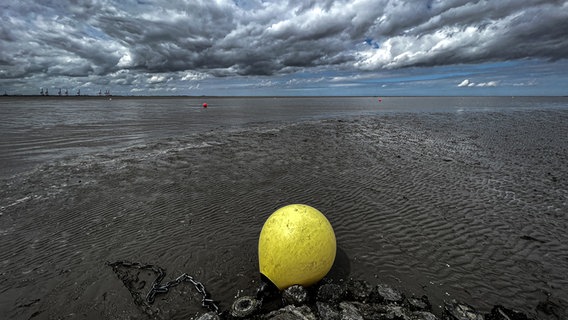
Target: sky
{"x":280,"y":48}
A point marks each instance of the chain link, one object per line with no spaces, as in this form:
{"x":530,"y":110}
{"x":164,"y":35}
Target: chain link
{"x":158,"y":287}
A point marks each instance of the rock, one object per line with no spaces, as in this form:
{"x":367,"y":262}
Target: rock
{"x":396,"y":313}
{"x":209,"y":316}
{"x":349,"y":311}
{"x":454,"y":310}
{"x":423,"y":315}
{"x":358,"y":290}
{"x":245,"y":306}
{"x":331,"y":293}
{"x":370,"y":310}
{"x":501,"y":313}
{"x":356,"y":300}
{"x":419,"y":304}
{"x":295,"y":295}
{"x":291,"y":313}
{"x":327,"y":311}
{"x":383,"y":293}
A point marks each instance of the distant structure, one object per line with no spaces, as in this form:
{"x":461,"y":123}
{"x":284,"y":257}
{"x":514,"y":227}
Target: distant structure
{"x":65,"y":92}
{"x":45,"y":92}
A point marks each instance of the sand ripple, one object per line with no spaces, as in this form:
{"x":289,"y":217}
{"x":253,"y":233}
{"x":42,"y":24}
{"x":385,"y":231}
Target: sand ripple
{"x":469,"y":206}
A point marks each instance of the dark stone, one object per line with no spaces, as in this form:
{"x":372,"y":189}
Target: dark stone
{"x":423,"y":315}
{"x":370,"y":310}
{"x":209,"y":316}
{"x":349,"y":311}
{"x":295,"y":295}
{"x":501,"y":313}
{"x":358,"y":290}
{"x":382,"y":303}
{"x":327,"y":311}
{"x":291,"y":313}
{"x":331,"y":293}
{"x":395,"y":312}
{"x":419,"y":304}
{"x":383,"y":293}
{"x":454,"y":310}
{"x":245,"y":306}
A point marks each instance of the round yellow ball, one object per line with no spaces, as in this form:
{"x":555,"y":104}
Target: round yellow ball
{"x":296,"y":246}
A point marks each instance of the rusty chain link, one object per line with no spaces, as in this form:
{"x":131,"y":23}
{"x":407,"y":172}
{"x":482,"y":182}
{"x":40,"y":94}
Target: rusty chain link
{"x":158,"y":287}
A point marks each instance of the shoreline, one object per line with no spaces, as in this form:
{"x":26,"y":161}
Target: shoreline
{"x":259,"y":97}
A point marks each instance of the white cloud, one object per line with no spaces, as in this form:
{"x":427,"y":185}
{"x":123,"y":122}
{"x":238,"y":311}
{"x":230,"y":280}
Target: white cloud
{"x":442,"y":46}
{"x":194,"y":76}
{"x":529,"y":83}
{"x":157,"y":79}
{"x":466,"y":32}
{"x":194,"y":87}
{"x":487,"y":84}
{"x":468,"y":83}
{"x":125,"y":61}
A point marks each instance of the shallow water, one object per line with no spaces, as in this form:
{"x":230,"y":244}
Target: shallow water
{"x":466,"y":201}
{"x":43,"y":129}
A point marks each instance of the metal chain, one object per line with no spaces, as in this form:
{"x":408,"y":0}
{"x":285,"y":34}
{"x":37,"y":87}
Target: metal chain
{"x":158,"y":287}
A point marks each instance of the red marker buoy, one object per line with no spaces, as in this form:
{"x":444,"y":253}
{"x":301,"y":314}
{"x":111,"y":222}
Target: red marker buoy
{"x":380,"y":100}
{"x":204,"y":104}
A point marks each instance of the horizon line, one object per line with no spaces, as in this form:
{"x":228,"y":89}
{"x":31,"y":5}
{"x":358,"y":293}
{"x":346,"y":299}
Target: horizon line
{"x":264,"y":96}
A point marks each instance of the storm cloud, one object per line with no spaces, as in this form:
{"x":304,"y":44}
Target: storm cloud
{"x":152,"y":42}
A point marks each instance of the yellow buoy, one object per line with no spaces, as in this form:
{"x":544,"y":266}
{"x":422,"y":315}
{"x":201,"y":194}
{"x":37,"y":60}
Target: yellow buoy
{"x":296,"y":246}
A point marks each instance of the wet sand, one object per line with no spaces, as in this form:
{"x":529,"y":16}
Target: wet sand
{"x":469,"y":205}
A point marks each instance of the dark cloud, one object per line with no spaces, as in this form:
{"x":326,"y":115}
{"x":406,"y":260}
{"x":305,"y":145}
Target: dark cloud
{"x":471,"y":32}
{"x":252,"y":37}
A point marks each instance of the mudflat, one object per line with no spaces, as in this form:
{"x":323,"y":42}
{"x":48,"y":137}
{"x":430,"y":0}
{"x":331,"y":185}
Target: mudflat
{"x":462,"y":205}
